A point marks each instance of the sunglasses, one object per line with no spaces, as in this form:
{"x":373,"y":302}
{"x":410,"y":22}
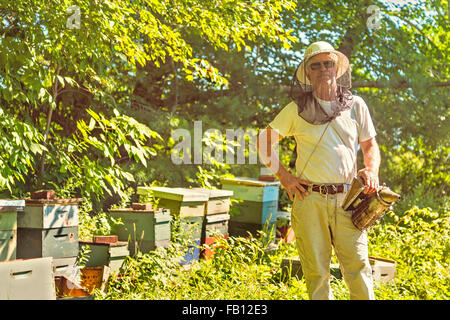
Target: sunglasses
{"x":317,"y":65}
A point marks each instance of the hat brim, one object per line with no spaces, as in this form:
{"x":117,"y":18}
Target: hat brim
{"x":342,"y":65}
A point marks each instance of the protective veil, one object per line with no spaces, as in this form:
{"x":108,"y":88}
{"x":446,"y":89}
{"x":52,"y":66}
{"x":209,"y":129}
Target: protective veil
{"x":302,"y":92}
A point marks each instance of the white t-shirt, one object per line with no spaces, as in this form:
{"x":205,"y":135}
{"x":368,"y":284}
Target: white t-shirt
{"x":333,"y":161}
{"x":326,"y":105}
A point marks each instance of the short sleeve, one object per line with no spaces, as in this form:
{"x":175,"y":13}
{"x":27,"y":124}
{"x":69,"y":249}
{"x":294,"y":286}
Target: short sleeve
{"x":366,"y":127}
{"x":285,"y":120}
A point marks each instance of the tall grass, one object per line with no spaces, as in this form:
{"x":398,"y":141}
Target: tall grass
{"x":244,"y":268}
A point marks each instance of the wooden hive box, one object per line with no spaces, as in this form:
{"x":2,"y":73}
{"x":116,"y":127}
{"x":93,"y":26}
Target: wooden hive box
{"x":215,"y":224}
{"x":218,"y":200}
{"x":106,"y":254}
{"x":95,"y":278}
{"x":8,"y":227}
{"x":8,"y":220}
{"x":8,"y":213}
{"x":382,"y":269}
{"x":242,"y":229}
{"x":182,"y":202}
{"x":254,"y":211}
{"x":30,"y":279}
{"x":49,"y":213}
{"x":250,"y":189}
{"x":66,"y":267}
{"x":56,"y":243}
{"x":192,"y":227}
{"x":11,"y":205}
{"x":66,"y":289}
{"x":192,"y":253}
{"x":146,"y":246}
{"x":150,"y":225}
{"x":291,"y":267}
{"x":8,"y":245}
{"x":144,"y":230}
{"x":211,"y":244}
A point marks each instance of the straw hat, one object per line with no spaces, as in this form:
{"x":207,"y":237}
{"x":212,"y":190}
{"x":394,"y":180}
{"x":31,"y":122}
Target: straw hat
{"x":315,"y":48}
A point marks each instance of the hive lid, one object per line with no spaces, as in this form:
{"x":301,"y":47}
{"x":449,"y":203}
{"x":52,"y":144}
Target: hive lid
{"x":178,"y":194}
{"x":29,"y":201}
{"x":11,"y":205}
{"x":215,"y":193}
{"x":112,"y":244}
{"x":153,"y":210}
{"x":249,"y":182}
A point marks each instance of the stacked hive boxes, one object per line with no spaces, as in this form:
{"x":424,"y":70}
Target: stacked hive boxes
{"x":49,"y":228}
{"x":259,"y":208}
{"x":188,"y":207}
{"x":8,"y":228}
{"x":143,"y":229}
{"x":216,"y":218}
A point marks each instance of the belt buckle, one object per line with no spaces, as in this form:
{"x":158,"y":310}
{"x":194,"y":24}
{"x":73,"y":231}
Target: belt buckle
{"x":324,"y":188}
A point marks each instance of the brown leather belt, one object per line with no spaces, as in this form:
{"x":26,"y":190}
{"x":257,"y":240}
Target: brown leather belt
{"x":328,"y":188}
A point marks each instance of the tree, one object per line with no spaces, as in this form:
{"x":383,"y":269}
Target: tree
{"x":68,"y":74}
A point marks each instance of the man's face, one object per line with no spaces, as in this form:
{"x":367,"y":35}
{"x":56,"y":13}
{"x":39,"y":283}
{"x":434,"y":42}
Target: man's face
{"x":321,"y":69}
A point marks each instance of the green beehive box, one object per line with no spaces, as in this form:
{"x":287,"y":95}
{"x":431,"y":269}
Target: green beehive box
{"x":183,"y":209}
{"x":254,"y":211}
{"x":182,"y":202}
{"x":291,"y":267}
{"x":56,"y":243}
{"x":8,"y":213}
{"x":8,"y":245}
{"x":242,"y":229}
{"x":192,"y":227}
{"x":146,"y":246}
{"x":142,"y":225}
{"x":49,"y":213}
{"x":218,"y":200}
{"x":8,"y":220}
{"x":30,"y":279}
{"x":215,"y":224}
{"x":106,"y":254}
{"x":250,"y":189}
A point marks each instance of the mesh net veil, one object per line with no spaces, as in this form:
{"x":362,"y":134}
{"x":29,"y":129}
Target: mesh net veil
{"x":331,"y":84}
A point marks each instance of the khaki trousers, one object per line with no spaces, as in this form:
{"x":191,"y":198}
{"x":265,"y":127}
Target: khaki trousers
{"x":320,"y":223}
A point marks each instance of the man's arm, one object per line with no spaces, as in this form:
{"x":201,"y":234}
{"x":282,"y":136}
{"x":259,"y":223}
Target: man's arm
{"x":266,"y":140}
{"x":372,"y":159}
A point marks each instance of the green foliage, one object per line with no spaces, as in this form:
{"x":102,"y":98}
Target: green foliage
{"x":94,"y":224}
{"x":245,"y":268}
{"x":51,"y":73}
{"x":89,"y":112}
{"x":83,"y":255}
{"x":419,"y":241}
{"x":20,"y":143}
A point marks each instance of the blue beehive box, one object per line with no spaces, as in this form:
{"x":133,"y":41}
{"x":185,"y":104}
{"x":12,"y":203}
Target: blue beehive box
{"x":192,"y":254}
